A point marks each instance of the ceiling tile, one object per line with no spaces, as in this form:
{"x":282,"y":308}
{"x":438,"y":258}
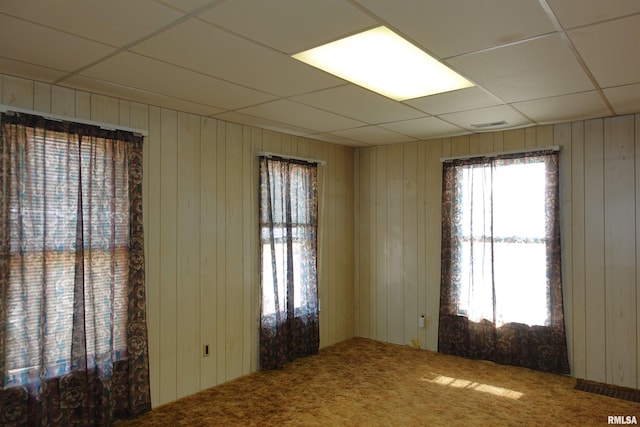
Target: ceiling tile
{"x":459,"y":100}
{"x":424,"y":128}
{"x":137,"y":71}
{"x":335,"y":139}
{"x":30,"y":71}
{"x":453,"y":27}
{"x":115,"y":22}
{"x":610,"y":50}
{"x":124,"y":92}
{"x":624,"y":99}
{"x":373,"y":135}
{"x":46,"y":47}
{"x":538,"y":68}
{"x":499,"y":113}
{"x":574,"y":13}
{"x":289,"y":112}
{"x":577,"y":106}
{"x":189,"y":5}
{"x":290,"y":26}
{"x":244,"y":119}
{"x":360,"y":104}
{"x":257,"y":67}
{"x":231,"y":60}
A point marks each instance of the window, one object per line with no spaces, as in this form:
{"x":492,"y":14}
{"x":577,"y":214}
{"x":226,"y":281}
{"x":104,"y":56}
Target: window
{"x":288,"y":253}
{"x":72,"y":271}
{"x":501,"y":283}
{"x":502,"y":238}
{"x":298,"y":242}
{"x":45,"y":216}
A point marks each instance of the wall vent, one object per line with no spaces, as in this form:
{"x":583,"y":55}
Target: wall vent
{"x":489,"y":124}
{"x":614,"y":391}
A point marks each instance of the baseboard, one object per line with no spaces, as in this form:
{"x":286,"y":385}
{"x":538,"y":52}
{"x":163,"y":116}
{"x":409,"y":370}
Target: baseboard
{"x":614,"y":391}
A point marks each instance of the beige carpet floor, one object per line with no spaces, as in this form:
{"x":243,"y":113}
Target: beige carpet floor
{"x":361,"y":382}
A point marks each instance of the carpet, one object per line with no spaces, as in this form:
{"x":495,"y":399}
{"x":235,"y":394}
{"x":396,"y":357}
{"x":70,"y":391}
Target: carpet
{"x":361,"y":382}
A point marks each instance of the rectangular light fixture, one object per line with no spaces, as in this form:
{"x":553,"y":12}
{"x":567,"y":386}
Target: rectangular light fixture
{"x":382,"y":61}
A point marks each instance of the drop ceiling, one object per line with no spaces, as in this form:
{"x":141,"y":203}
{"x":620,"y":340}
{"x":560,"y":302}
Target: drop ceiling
{"x":532,"y":61}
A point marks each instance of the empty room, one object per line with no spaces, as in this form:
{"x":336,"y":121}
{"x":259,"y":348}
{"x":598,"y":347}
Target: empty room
{"x":262,"y":212}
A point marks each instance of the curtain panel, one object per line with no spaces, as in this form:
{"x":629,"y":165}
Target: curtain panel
{"x":73,"y":334}
{"x":477,"y":331}
{"x":289,"y":326}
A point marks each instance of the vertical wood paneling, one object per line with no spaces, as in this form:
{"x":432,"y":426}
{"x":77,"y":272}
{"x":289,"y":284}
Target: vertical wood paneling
{"x":600,"y":208}
{"x":201,"y":223}
{"x":251,"y":348}
{"x":531,"y":137}
{"x":395,"y":238}
{"x":208,"y":250}
{"x":363,"y":224}
{"x":410,"y":242}
{"x":382,"y":252}
{"x":544,"y":136}
{"x":221,"y":255}
{"x":600,"y":198}
{"x":63,"y":102}
{"x":302,"y":147}
{"x":17,"y":92}
{"x":153,"y":256}
{"x":139,"y":116}
{"x":42,"y":97}
{"x":317,"y":151}
{"x":433,"y":166}
{"x":514,"y":140}
{"x":124,"y":113}
{"x":248,"y":234}
{"x":474,"y":144}
{"x":233,"y":263}
{"x":168,"y":267}
{"x":188,"y":254}
{"x":447,"y":150}
{"x":344,"y":253}
{"x":328,"y":290}
{"x":578,"y":322}
{"x":620,"y":256}
{"x":104,"y":109}
{"x":594,"y":219}
{"x":498,"y":142}
{"x":83,"y":105}
{"x":485,"y":143}
{"x":460,"y":145}
{"x":272,"y":142}
{"x":289,"y":145}
{"x":373,"y":239}
{"x":421,"y":238}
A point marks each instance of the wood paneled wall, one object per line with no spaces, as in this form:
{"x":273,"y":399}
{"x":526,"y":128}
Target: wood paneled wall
{"x":398,"y":238}
{"x":201,"y":228}
{"x":200,"y":195}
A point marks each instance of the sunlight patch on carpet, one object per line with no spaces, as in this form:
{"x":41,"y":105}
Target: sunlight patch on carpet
{"x":472,"y":385}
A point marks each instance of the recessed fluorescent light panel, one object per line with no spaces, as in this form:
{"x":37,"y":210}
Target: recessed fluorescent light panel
{"x":382,"y":61}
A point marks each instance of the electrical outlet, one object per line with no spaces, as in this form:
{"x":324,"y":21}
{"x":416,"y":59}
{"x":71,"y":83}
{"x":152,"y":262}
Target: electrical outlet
{"x":205,"y":350}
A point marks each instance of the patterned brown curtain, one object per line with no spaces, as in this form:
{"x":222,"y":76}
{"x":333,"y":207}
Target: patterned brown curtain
{"x":493,"y":304}
{"x":73,"y":337}
{"x":289,"y":326}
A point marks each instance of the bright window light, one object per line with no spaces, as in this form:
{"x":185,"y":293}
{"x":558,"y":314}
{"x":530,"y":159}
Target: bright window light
{"x":382,"y":61}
